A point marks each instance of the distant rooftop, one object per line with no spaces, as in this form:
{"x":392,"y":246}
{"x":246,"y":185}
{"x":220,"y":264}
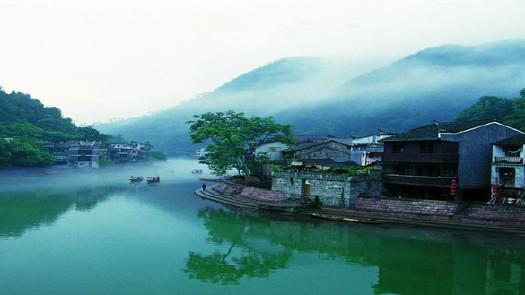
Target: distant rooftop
{"x":329,"y":163}
{"x":306,"y":145}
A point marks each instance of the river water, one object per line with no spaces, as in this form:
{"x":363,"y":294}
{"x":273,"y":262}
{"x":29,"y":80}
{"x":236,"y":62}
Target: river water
{"x":71,"y":232}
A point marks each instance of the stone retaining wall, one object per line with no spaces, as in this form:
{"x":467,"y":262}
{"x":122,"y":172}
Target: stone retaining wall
{"x":332,"y":190}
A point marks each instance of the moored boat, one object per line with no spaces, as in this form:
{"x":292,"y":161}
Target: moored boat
{"x":153,"y":179}
{"x":136,"y":178}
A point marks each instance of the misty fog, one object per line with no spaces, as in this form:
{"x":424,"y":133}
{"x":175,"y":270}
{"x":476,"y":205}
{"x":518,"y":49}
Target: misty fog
{"x":171,"y":171}
{"x":330,"y":96}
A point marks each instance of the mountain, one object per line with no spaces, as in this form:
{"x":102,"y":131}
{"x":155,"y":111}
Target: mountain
{"x":325,"y":96}
{"x":278,"y":86}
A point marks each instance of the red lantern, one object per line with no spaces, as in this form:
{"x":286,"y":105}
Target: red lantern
{"x":453,"y":187}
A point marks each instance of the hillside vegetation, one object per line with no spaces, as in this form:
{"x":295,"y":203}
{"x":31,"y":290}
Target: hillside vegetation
{"x":25,"y":123}
{"x":509,"y":111}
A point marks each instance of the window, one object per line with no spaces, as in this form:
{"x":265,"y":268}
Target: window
{"x":397,"y":147}
{"x":449,"y":170}
{"x":426,"y":147}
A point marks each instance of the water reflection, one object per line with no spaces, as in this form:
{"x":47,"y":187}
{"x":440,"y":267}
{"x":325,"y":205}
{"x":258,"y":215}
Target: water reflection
{"x":20,"y":211}
{"x":409,"y":260}
{"x":241,"y":256}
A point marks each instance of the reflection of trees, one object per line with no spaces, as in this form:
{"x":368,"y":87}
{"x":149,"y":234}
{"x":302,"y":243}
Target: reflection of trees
{"x":409,"y":260}
{"x":240,"y":258}
{"x":20,"y":211}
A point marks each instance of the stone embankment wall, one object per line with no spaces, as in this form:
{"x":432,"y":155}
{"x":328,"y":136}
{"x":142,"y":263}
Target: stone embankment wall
{"x":428,"y":210}
{"x":423,"y":207}
{"x":333,"y":190}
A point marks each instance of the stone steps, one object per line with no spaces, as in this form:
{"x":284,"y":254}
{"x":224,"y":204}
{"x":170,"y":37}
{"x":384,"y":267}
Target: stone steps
{"x":225,"y":200}
{"x":218,"y":193}
{"x":426,"y":207}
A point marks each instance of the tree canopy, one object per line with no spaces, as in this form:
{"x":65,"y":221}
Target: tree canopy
{"x":510,"y":111}
{"x":25,"y":123}
{"x":231,"y":136}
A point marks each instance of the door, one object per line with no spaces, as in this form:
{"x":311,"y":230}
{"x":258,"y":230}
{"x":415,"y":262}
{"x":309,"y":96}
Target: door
{"x":306,"y":188}
{"x":507,"y":176}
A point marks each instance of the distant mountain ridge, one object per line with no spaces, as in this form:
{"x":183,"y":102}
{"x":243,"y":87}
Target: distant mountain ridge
{"x":320,"y":96}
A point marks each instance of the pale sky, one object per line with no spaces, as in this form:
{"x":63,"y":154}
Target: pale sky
{"x":104,"y":59}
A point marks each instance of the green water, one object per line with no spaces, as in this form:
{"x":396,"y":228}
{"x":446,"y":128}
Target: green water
{"x":139,"y":239}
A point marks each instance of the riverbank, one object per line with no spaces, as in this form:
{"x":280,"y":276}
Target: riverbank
{"x":472,"y":216}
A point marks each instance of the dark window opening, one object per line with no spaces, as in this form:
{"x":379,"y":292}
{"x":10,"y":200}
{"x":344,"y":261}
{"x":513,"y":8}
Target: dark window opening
{"x":397,"y":148}
{"x":426,"y":147}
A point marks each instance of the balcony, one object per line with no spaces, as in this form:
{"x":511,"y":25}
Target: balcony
{"x":510,"y":160}
{"x":506,"y":181}
{"x":421,"y":157}
{"x":438,"y":181}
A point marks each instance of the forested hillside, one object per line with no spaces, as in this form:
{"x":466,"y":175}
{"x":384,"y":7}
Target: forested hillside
{"x":25,"y":123}
{"x":510,"y":111}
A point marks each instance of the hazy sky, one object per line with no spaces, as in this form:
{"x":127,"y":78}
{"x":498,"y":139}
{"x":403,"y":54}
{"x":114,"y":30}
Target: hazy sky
{"x":103,"y":59}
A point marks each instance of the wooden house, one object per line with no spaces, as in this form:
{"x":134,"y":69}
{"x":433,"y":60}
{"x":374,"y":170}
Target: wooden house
{"x":442,"y":160}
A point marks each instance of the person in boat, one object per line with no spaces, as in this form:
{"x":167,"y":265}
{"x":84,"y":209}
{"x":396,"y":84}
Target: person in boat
{"x":203,"y":186}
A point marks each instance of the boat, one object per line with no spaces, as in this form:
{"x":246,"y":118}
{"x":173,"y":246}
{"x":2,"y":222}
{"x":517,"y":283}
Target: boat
{"x":153,"y":179}
{"x":136,"y":178}
{"x":196,"y":171}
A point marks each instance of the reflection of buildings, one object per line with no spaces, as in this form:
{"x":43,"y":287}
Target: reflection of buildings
{"x":409,"y":261}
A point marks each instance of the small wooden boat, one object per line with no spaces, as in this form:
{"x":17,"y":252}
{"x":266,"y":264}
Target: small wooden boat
{"x":153,"y":179}
{"x":136,"y":179}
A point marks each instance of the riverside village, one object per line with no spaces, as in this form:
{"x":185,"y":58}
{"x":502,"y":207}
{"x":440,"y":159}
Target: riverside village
{"x":463,"y":174}
{"x":266,"y":147}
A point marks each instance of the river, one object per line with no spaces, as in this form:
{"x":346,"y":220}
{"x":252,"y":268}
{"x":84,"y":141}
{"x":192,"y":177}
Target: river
{"x":90,"y":232}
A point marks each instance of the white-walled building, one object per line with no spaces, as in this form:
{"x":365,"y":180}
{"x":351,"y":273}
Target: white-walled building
{"x":368,"y":149}
{"x":508,"y":166}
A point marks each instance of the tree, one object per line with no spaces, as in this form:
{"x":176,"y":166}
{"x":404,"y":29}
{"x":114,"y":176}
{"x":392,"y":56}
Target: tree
{"x":231,"y":136}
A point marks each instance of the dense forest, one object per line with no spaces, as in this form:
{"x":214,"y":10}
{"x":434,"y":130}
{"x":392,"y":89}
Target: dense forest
{"x":507,"y":111}
{"x":25,"y":123}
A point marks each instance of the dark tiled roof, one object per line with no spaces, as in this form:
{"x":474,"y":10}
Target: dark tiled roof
{"x":303,"y":146}
{"x":329,"y":163}
{"x":515,"y":140}
{"x":431,"y":131}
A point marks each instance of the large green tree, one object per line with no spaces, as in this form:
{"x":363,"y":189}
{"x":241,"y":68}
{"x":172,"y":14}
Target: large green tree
{"x":231,"y":137}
